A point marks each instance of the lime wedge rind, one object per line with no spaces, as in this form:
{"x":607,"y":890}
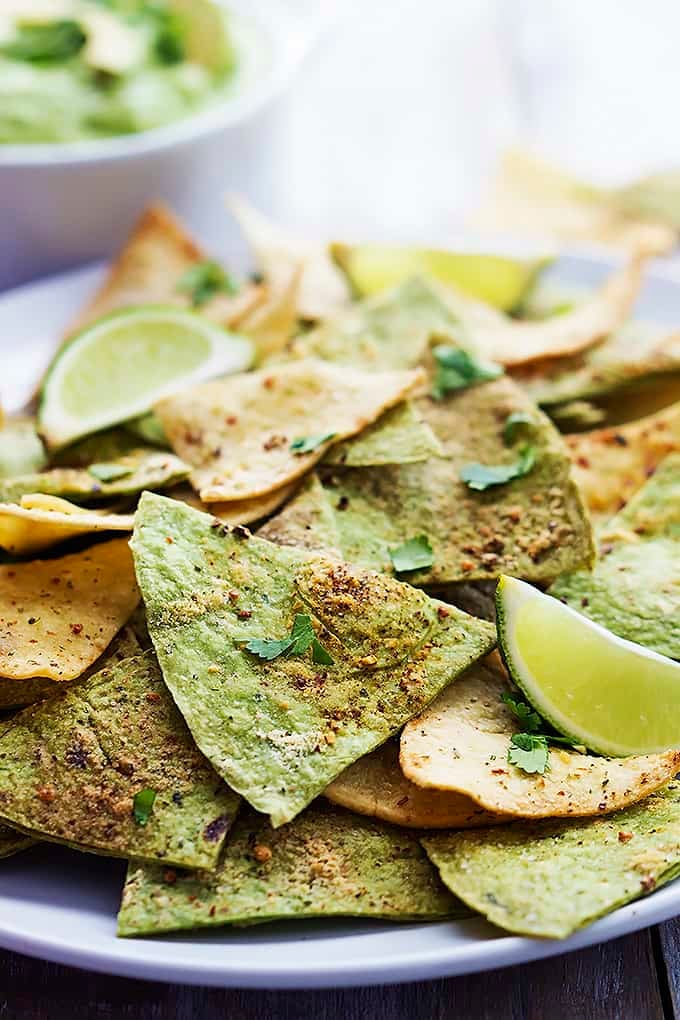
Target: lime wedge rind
{"x":117,"y":341}
{"x":613,"y":696}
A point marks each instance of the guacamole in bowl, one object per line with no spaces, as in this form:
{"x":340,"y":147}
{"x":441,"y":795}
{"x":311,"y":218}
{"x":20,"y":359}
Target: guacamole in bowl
{"x":77,"y":70}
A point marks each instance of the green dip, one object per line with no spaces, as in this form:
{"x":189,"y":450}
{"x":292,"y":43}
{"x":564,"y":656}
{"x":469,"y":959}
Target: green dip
{"x":73,"y":70}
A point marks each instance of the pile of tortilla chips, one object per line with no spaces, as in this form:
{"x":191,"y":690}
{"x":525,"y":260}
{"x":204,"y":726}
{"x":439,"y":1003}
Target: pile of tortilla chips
{"x":309,"y":719}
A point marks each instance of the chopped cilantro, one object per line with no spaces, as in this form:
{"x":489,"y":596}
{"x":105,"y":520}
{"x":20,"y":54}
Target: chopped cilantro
{"x":204,"y":280}
{"x":307,"y":444}
{"x":48,"y":43}
{"x":108,"y":472}
{"x":302,"y":637}
{"x":142,"y":805}
{"x":513,"y":425}
{"x":169,"y":45}
{"x":529,"y":752}
{"x":458,"y":369}
{"x":483,"y":476}
{"x":531,"y":721}
{"x":415,"y":554}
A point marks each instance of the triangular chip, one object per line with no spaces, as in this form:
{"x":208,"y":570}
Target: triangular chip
{"x":461,"y":743}
{"x":126,"y":476}
{"x":548,"y":879}
{"x":323,"y":289}
{"x":327,"y":863}
{"x":280,"y":722}
{"x":43,"y":521}
{"x":57,"y":616}
{"x":244,"y":511}
{"x":149,"y":269}
{"x":273,"y":322}
{"x":11,"y":841}
{"x":611,"y":464}
{"x":634,"y":589}
{"x":399,"y":436}
{"x":530,"y":527}
{"x":21,"y":450}
{"x":109,"y":766}
{"x":250,"y":434}
{"x":376,"y":786}
{"x":308,"y":521}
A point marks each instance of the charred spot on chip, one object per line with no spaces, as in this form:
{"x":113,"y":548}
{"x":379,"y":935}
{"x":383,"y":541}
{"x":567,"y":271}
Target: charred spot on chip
{"x":216,"y":829}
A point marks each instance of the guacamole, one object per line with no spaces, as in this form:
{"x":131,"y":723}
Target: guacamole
{"x":83,"y":69}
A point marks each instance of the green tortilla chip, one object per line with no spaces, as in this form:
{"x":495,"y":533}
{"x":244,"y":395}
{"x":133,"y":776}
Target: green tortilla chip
{"x":531,"y":527}
{"x":21,"y":450}
{"x":308,"y":521}
{"x":71,"y":769}
{"x":105,"y":446}
{"x":11,"y":841}
{"x":548,"y":879}
{"x":142,"y":469}
{"x":279,"y":731}
{"x":398,"y":437}
{"x":634,"y":589}
{"x":326,"y":863}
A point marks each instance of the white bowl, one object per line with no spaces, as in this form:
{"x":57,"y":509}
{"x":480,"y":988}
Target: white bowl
{"x":62,"y":204}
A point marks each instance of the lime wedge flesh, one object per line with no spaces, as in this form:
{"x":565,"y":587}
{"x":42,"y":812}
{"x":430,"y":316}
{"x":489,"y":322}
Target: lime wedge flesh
{"x":497,"y":280}
{"x":610,"y":694}
{"x":119,"y":367}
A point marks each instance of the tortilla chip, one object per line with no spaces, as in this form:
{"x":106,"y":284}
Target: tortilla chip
{"x":550,"y":879}
{"x":390,"y":331}
{"x":399,"y":436}
{"x":100,"y":447}
{"x":531,"y":197}
{"x":11,"y":841}
{"x":327,"y":863}
{"x":240,"y":511}
{"x":611,"y":464}
{"x":156,"y":255}
{"x":21,"y":450}
{"x":470,"y":718}
{"x":307,"y":522}
{"x":634,"y":355}
{"x":280,"y":731}
{"x":238,"y":432}
{"x":73,"y":766}
{"x":57,"y":616}
{"x":19,"y":693}
{"x":144,"y":469}
{"x":634,"y":589}
{"x":323,"y":289}
{"x":511,"y":342}
{"x":273,"y":322}
{"x":530,"y":527}
{"x":376,"y":786}
{"x":29,"y":528}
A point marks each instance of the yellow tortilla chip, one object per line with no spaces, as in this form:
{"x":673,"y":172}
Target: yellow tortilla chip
{"x":240,"y":433}
{"x":532,"y":198}
{"x":460,"y":743}
{"x":274,"y":321}
{"x":156,"y":255}
{"x":57,"y":616}
{"x":611,"y":464}
{"x":511,"y":342}
{"x":376,"y":786}
{"x":41,"y":521}
{"x":323,"y":290}
{"x":241,"y":511}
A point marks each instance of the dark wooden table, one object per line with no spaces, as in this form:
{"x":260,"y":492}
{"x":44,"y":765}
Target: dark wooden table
{"x":633,"y":978}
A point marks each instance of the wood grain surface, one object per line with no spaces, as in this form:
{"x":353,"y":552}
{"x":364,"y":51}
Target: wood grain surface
{"x":633,"y":978}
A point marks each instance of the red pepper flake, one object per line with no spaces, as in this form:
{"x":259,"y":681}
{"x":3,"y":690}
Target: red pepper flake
{"x":231,"y":419}
{"x":169,"y":540}
{"x":269,"y":382}
{"x":153,"y":697}
{"x":443,"y":612}
{"x":244,"y":614}
{"x":648,"y":883}
{"x":625,"y":837}
{"x":233,"y":596}
{"x":170,"y":876}
{"x":76,"y":628}
{"x":262,"y":853}
{"x":467,"y":565}
{"x":46,"y":794}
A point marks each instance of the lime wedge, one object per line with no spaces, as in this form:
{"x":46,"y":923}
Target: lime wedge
{"x":613,"y":696}
{"x":119,"y":367}
{"x":497,"y":280}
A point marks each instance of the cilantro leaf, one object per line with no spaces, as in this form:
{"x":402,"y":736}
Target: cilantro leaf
{"x":414,"y":554}
{"x":302,"y":637}
{"x":204,"y":280}
{"x":513,"y":425}
{"x":169,"y":45}
{"x":108,"y":472}
{"x":48,"y":43}
{"x":530,"y":720}
{"x":307,"y":444}
{"x":529,"y":752}
{"x":483,"y":476}
{"x":457,"y":369}
{"x":142,"y":805}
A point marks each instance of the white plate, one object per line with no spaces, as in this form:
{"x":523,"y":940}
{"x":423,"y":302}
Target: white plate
{"x":61,"y":906}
